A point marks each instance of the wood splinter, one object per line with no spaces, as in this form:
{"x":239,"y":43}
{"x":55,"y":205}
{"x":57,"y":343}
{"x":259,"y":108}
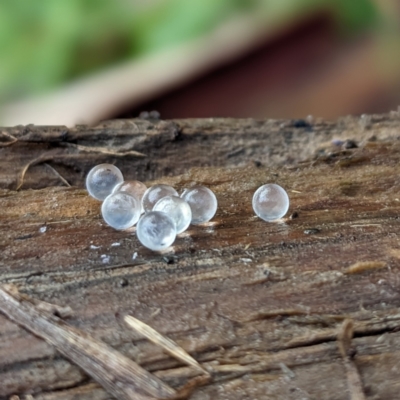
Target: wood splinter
{"x":118,"y":375}
{"x":344,"y":338}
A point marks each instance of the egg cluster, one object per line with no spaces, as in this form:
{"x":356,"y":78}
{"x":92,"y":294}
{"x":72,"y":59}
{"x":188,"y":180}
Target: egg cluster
{"x":159,"y":211}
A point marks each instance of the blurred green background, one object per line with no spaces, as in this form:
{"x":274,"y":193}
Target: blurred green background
{"x":47,"y":44}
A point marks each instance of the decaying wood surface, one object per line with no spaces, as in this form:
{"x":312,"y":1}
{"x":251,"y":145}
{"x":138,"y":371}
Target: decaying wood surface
{"x":269,"y":308}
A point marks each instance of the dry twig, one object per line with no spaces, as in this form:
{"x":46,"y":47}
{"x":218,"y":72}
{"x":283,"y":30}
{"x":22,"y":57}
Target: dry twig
{"x":117,"y":374}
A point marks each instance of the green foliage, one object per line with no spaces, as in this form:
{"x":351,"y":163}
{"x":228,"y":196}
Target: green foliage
{"x":169,"y":22}
{"x":356,"y":14}
{"x":46,"y":42}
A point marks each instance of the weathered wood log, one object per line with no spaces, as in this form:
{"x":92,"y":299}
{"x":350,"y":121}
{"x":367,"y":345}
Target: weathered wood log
{"x":260,"y":304}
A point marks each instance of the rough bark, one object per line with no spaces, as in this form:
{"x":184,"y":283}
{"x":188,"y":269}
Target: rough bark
{"x":259,"y":303}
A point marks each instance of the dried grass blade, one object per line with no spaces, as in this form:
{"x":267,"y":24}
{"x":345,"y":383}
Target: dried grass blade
{"x":117,"y":374}
{"x":167,"y":344}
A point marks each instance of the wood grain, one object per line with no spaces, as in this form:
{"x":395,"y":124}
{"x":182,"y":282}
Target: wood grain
{"x":259,"y":303}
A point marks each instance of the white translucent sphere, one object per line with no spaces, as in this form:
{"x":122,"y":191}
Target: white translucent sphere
{"x":202,"y":202}
{"x":177,"y":209}
{"x":102,"y":179}
{"x":134,"y":188}
{"x":156,"y":230}
{"x":270,"y":202}
{"x":155,"y":193}
{"x":120,"y":210}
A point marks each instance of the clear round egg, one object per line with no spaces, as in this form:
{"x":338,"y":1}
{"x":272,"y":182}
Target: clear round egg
{"x":156,"y":230}
{"x":102,"y":179}
{"x":177,"y":209}
{"x":134,"y":188}
{"x":202,"y":202}
{"x":270,"y":202}
{"x":155,"y":193}
{"x":120,"y":210}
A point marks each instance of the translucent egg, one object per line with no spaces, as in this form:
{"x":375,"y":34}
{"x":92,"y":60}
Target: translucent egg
{"x":270,"y":202}
{"x":177,"y":209}
{"x":134,"y":188}
{"x":102,"y":179}
{"x":156,"y":230}
{"x":155,"y":193}
{"x":202,"y":202}
{"x":120,"y":210}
